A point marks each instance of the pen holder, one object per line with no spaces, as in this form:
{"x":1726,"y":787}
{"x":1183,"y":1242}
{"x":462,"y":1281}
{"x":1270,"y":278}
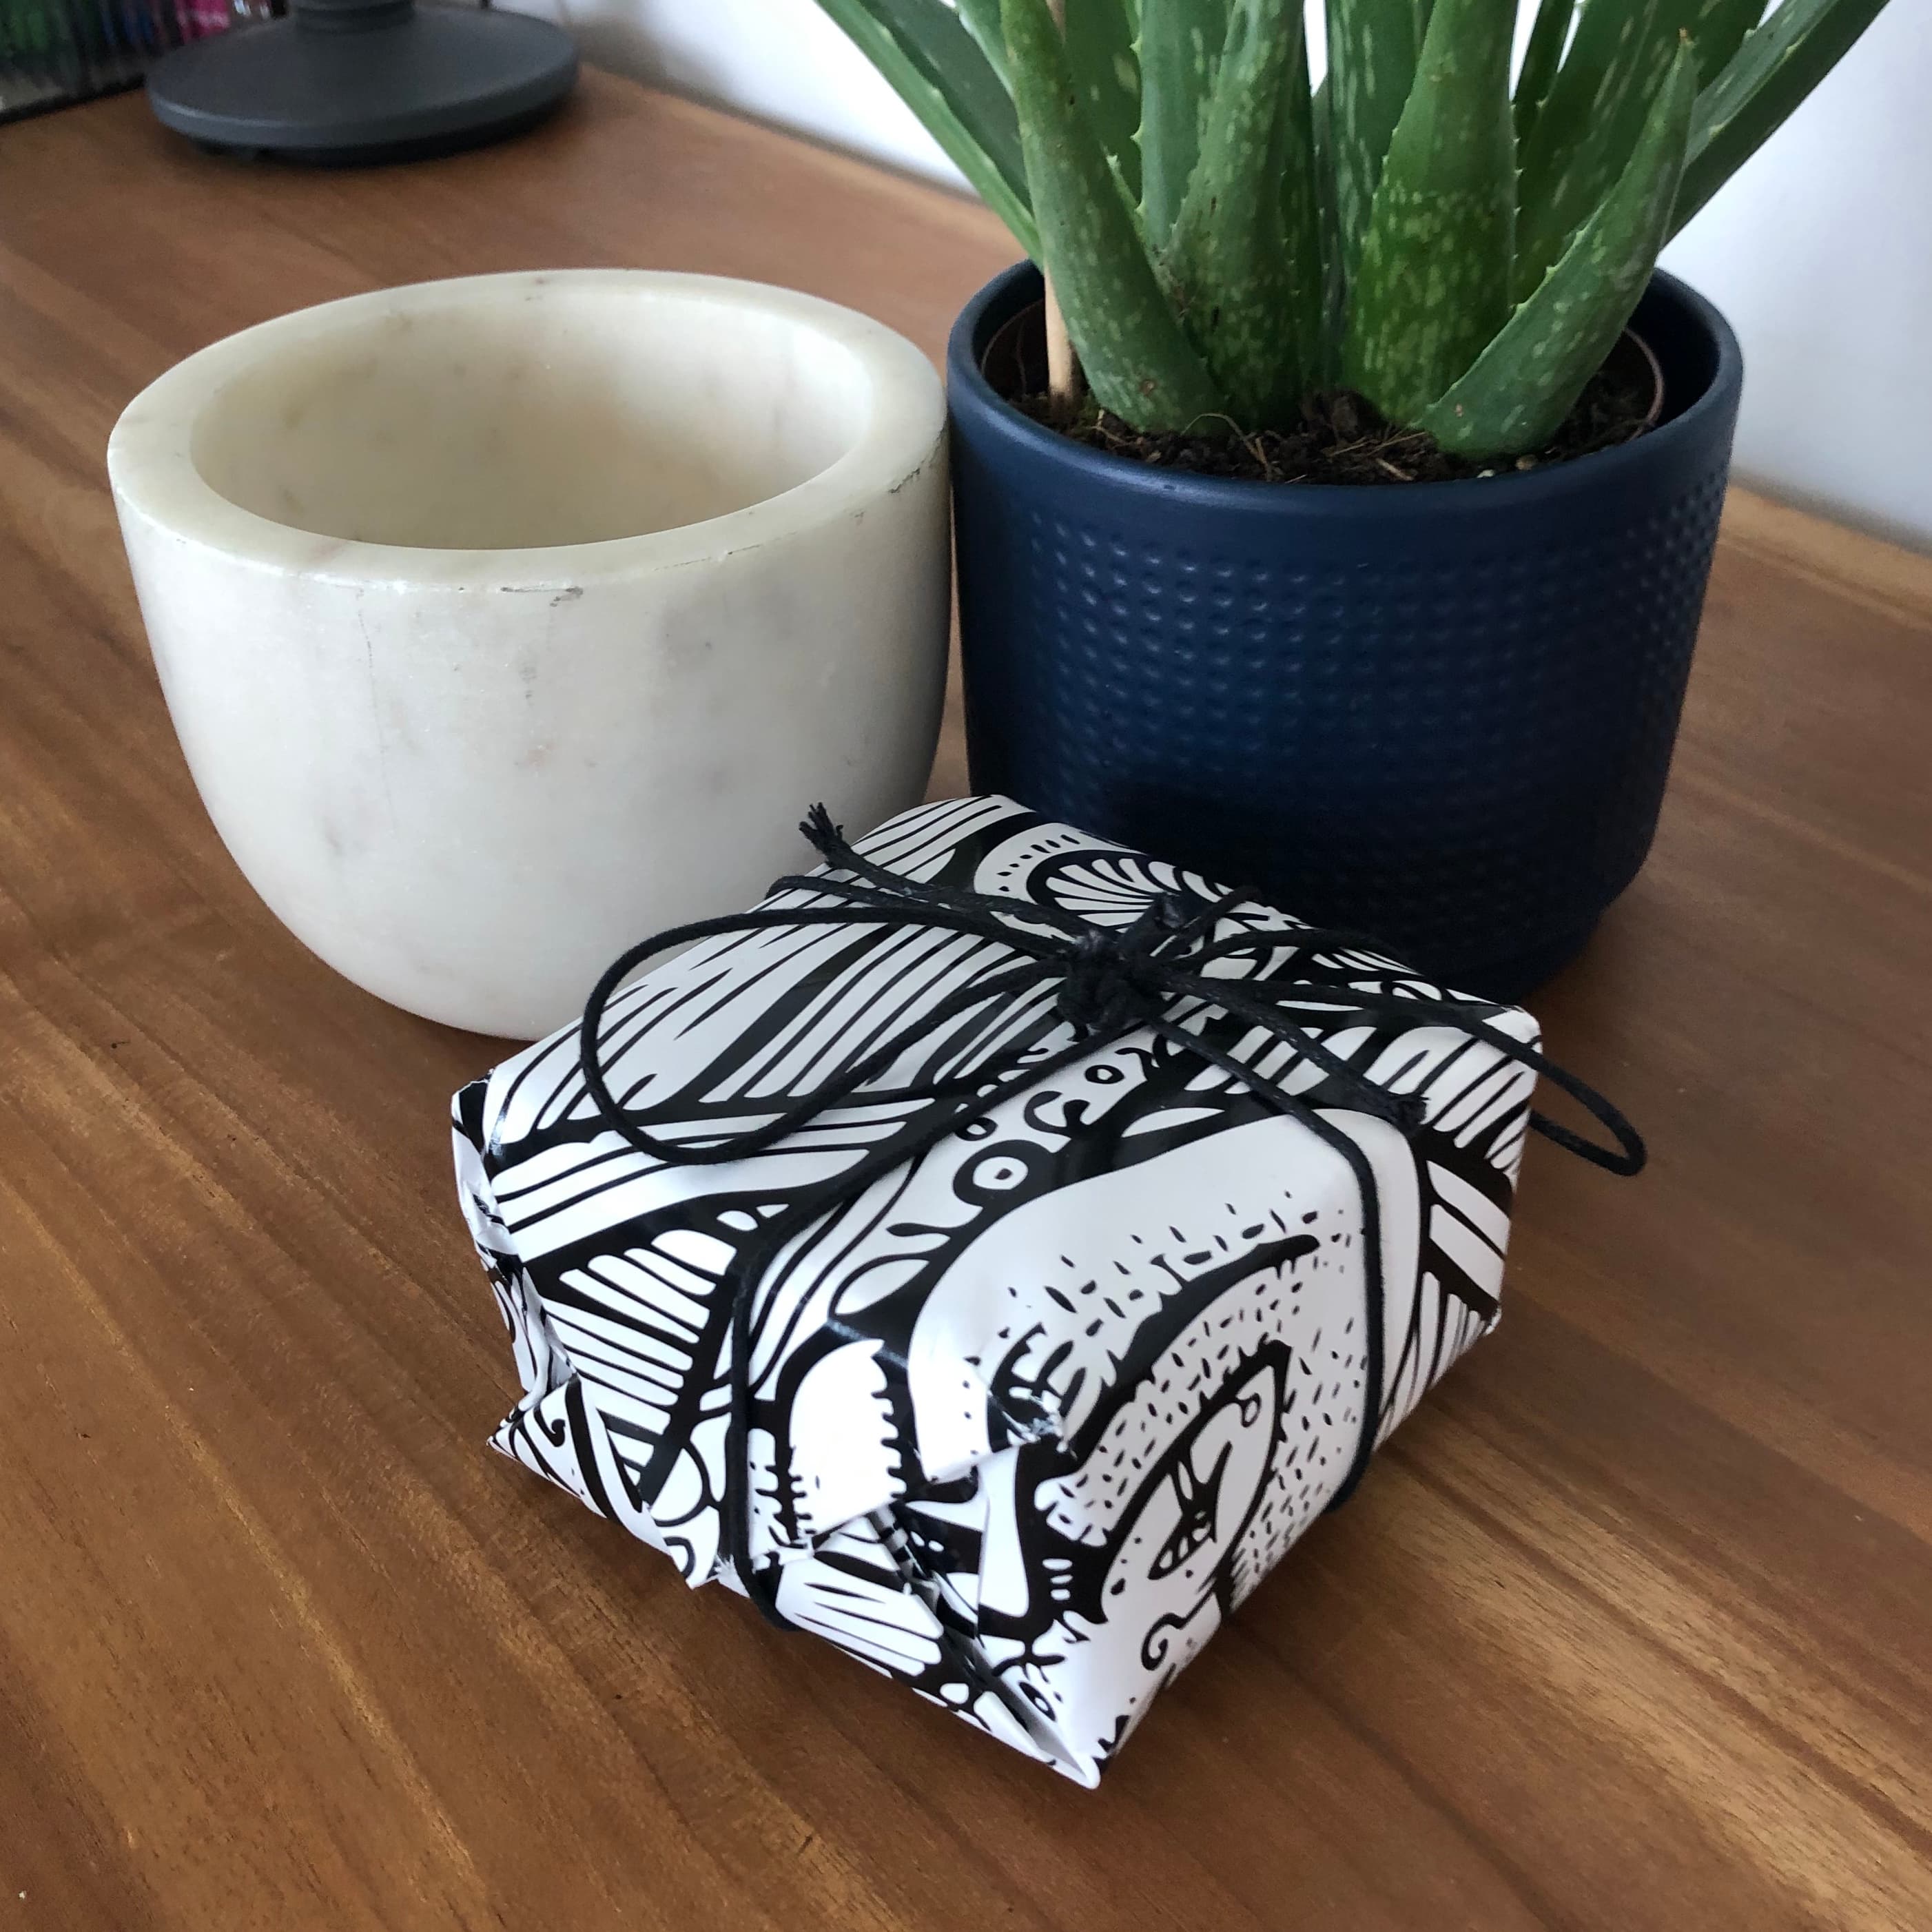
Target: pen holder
{"x":54,"y":52}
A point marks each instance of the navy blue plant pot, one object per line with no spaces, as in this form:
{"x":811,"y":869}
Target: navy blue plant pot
{"x":1440,"y":713}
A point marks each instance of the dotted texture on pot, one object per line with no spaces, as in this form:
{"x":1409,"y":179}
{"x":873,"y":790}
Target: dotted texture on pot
{"x":1441,"y":714}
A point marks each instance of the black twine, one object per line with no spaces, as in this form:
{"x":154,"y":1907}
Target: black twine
{"x":1113,"y":981}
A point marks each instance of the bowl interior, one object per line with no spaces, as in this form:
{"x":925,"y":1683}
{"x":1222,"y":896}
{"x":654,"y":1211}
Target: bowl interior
{"x":498,"y":420}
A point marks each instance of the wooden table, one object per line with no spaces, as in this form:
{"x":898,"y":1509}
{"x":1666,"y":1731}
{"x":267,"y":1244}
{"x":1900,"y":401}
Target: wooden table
{"x":1631,"y":1628}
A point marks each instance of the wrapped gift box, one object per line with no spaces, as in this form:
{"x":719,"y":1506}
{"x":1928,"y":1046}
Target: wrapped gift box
{"x":1013,"y":1397}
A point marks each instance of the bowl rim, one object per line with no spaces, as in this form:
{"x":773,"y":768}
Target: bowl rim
{"x":1084,"y":466}
{"x":155,"y":482}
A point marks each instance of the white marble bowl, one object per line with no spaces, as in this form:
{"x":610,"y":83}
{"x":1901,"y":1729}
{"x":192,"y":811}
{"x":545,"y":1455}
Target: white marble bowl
{"x":505,"y":621}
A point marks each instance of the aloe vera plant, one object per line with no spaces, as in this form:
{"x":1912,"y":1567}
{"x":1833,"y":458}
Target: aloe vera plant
{"x":1462,"y":246}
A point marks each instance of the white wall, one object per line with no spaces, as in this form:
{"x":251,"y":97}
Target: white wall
{"x":781,"y":60}
{"x":1820,"y":251}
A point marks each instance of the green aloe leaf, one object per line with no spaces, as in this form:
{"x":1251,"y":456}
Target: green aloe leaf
{"x":1138,"y":360}
{"x":1540,"y":59}
{"x":1373,"y":46}
{"x":1242,"y":266}
{"x":1717,"y":30}
{"x":1100,"y":51}
{"x":1180,"y":45}
{"x":1596,"y":108}
{"x":1515,"y":396}
{"x":981,"y":19}
{"x":1775,"y":68}
{"x":1617,"y":54}
{"x":924,"y":51}
{"x":1433,"y":285}
{"x":1324,"y":370}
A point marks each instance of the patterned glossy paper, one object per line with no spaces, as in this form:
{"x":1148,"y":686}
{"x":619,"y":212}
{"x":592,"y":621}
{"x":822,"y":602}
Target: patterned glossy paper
{"x":1033,"y":1413}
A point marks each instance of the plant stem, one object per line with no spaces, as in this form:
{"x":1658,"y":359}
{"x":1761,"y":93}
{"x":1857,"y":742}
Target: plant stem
{"x":1062,"y":366}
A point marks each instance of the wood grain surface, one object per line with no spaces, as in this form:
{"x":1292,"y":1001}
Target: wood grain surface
{"x":1630,"y":1629}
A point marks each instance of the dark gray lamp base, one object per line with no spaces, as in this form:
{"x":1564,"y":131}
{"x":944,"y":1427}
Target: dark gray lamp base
{"x":355,"y":81}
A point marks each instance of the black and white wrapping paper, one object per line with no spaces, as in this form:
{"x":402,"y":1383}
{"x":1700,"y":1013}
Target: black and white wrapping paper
{"x":1032,"y":1411}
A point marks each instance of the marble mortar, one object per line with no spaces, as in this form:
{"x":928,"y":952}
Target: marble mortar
{"x":506,"y":620}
